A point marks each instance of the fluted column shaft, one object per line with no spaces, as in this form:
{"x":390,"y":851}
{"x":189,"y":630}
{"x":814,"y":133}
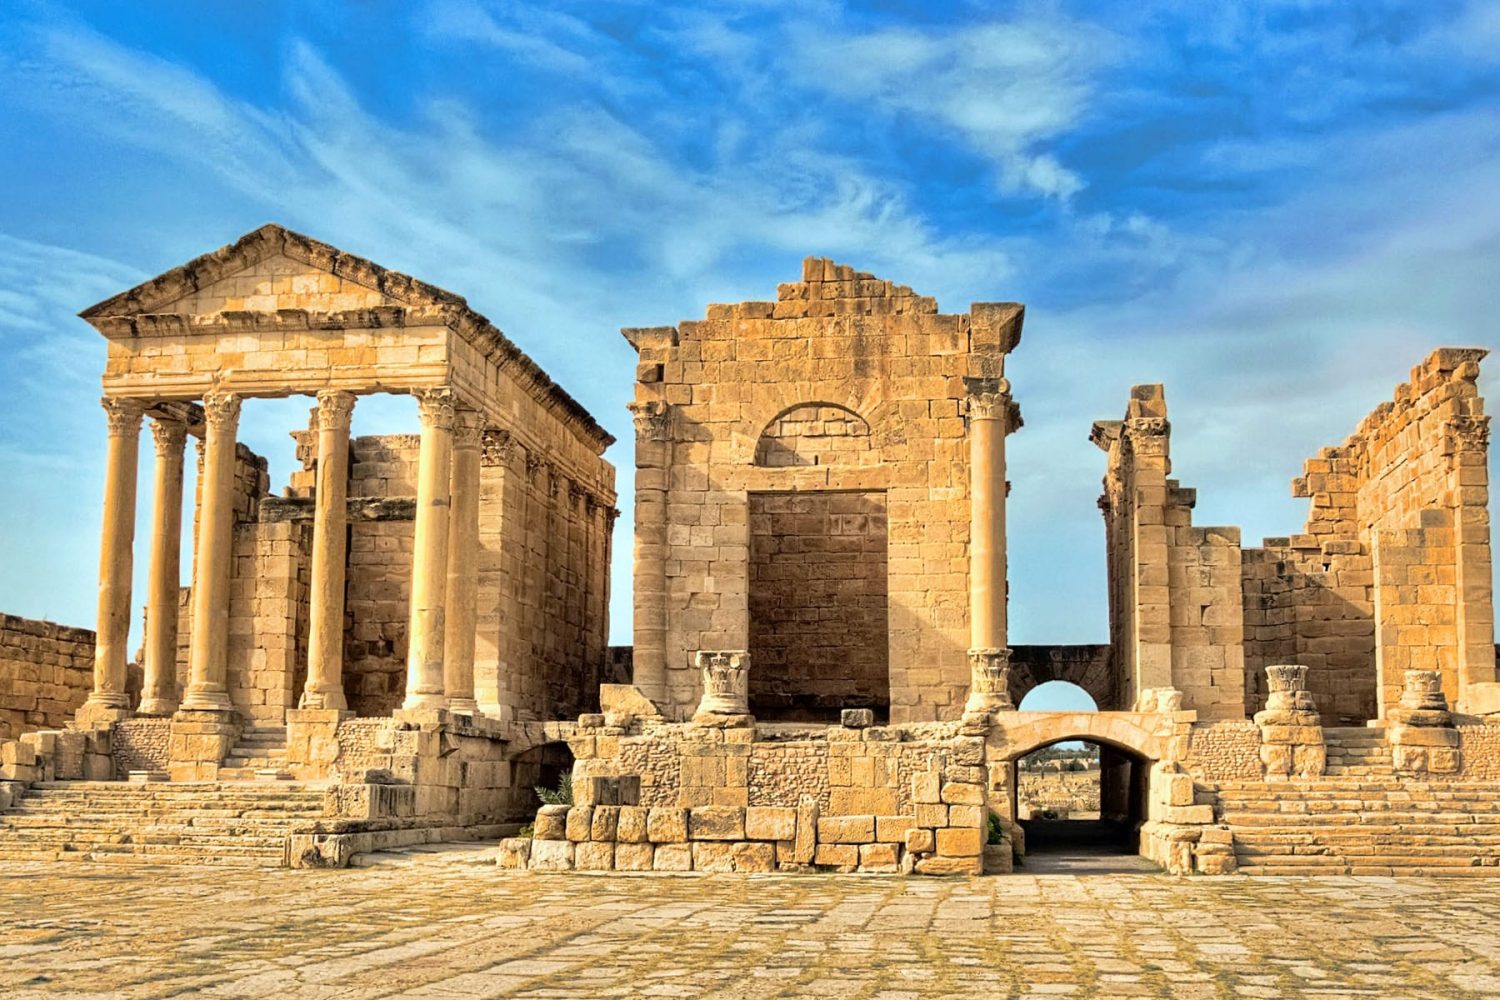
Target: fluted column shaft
{"x":325,"y":643}
{"x":159,"y":683}
{"x":429,"y":578}
{"x":116,"y":542}
{"x":461,"y":600}
{"x":207,"y":656}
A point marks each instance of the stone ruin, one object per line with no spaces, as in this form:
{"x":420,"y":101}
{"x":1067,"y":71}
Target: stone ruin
{"x":414,"y":635}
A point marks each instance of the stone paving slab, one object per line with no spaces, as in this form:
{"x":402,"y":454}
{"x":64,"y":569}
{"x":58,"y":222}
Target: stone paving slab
{"x":448,"y":925}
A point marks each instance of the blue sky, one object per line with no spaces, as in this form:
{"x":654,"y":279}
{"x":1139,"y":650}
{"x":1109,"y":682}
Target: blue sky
{"x":1274,"y":208}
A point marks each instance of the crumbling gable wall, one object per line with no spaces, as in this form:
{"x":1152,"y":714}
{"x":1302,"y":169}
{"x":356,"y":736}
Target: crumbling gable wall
{"x":845,"y":383}
{"x":1393,"y":570}
{"x":1176,"y":618}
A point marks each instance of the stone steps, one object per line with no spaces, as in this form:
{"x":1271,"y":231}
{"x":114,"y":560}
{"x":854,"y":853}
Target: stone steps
{"x":1356,"y":824}
{"x":229,"y":823}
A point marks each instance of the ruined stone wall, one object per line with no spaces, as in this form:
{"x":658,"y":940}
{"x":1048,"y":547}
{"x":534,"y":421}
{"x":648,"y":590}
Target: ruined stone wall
{"x":46,"y":672}
{"x":1089,"y":667}
{"x":378,"y":607}
{"x":268,"y":618}
{"x":141,"y":744}
{"x":1176,"y":604}
{"x":845,"y":383}
{"x":1393,"y":570}
{"x":819,"y":625}
{"x":1224,"y":751}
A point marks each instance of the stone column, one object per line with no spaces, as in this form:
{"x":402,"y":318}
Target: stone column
{"x":159,"y":686}
{"x":462,"y":594}
{"x":207,"y":688}
{"x":325,"y":641}
{"x":653,"y":461}
{"x":109,"y":699}
{"x":989,"y":406}
{"x":429,"y":571}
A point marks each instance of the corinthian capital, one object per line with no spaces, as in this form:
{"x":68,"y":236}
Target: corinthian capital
{"x":468,"y":429}
{"x":170,"y":435}
{"x":652,"y":419}
{"x":123,"y":415}
{"x":335,"y":409}
{"x":988,"y":398}
{"x":498,"y":447}
{"x":435,"y":407}
{"x":221,"y":411}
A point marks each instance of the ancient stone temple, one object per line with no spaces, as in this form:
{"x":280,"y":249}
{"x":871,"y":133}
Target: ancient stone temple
{"x":412,"y":635}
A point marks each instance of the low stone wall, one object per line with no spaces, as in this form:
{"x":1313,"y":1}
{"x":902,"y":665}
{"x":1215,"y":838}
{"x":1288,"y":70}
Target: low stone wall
{"x":46,"y":672}
{"x":1224,"y":751}
{"x":141,"y":745}
{"x":1480,"y":747}
{"x":683,"y":797}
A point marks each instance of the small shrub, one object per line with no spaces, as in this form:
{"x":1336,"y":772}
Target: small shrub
{"x":562,"y":795}
{"x":526,"y":832}
{"x":995,"y":834}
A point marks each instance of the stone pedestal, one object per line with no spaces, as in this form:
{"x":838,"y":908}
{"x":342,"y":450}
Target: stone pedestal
{"x":200,"y":740}
{"x":726,"y":689}
{"x":1291,"y":731}
{"x":1421,"y":731}
{"x":312,"y":742}
{"x":989,"y":682}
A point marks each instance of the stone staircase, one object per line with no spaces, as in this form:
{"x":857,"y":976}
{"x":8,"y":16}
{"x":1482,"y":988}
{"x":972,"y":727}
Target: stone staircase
{"x":1349,"y":823}
{"x":225,"y":823}
{"x":1357,"y":752}
{"x":260,"y":754}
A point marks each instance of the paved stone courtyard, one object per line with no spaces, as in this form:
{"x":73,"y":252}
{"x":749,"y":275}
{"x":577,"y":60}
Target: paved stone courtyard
{"x":445,"y":925}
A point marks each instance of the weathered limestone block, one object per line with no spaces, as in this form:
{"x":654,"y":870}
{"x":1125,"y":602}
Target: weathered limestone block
{"x":920,"y":841}
{"x":843,"y":857}
{"x":605,"y":823}
{"x":633,"y":857}
{"x":551,"y":822}
{"x":951,"y":865}
{"x":893,"y":829}
{"x":667,"y":825}
{"x":713,"y":856}
{"x":879,"y":858}
{"x":963,"y":793}
{"x":857,"y":718}
{"x":805,"y":842}
{"x":770,"y":823}
{"x":931,"y":815}
{"x":580,"y":823}
{"x":514,"y":853}
{"x":754,"y":857}
{"x":716,"y":823}
{"x":959,"y":841}
{"x":927,"y":787}
{"x":630,"y":825}
{"x":673,"y":858}
{"x":594,"y":856}
{"x":971,"y":816}
{"x":552,"y":855}
{"x":846,"y":829}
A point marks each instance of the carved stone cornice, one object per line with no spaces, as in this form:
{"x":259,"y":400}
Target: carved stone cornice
{"x":652,"y":418}
{"x":435,"y":407}
{"x":123,"y":415}
{"x":169,"y":435}
{"x":221,"y":412}
{"x":468,"y":429}
{"x":497,"y":447}
{"x":335,"y":409}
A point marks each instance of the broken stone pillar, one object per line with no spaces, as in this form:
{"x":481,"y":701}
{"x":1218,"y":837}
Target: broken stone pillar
{"x":726,"y":688}
{"x":159,"y":671}
{"x":1291,"y":731}
{"x":429,"y":579}
{"x":325,"y":643}
{"x":1421,"y":729}
{"x":108,"y":700}
{"x":462,"y":597}
{"x":207,"y":688}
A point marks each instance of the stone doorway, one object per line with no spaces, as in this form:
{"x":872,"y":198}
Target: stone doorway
{"x":819,"y":613}
{"x":1081,"y":805}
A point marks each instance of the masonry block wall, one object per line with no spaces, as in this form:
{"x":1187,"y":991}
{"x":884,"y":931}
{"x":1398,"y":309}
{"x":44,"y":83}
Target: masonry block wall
{"x":1393,"y":569}
{"x":46,"y":672}
{"x":1176,"y":614}
{"x":845,"y":384}
{"x":818,"y":605}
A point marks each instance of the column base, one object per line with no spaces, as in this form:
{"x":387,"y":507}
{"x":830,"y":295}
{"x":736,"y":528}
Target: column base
{"x":423,"y":715}
{"x":200,"y":740}
{"x":157,"y":707}
{"x":330,"y":700}
{"x":206,"y":701}
{"x":463,"y":706}
{"x":424,"y":700}
{"x":99,"y":715}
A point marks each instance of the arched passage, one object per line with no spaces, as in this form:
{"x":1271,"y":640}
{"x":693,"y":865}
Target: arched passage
{"x":1081,"y":803}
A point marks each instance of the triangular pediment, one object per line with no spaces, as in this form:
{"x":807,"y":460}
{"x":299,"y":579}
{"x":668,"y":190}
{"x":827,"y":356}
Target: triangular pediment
{"x":268,"y":270}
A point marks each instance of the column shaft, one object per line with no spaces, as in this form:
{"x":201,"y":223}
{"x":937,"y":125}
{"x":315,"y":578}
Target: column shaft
{"x":653,"y":456}
{"x":987,"y":522}
{"x":325,"y":643}
{"x":159,"y":684}
{"x":461,"y":599}
{"x":429,"y":578}
{"x":207,"y":657}
{"x":116,"y":543}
